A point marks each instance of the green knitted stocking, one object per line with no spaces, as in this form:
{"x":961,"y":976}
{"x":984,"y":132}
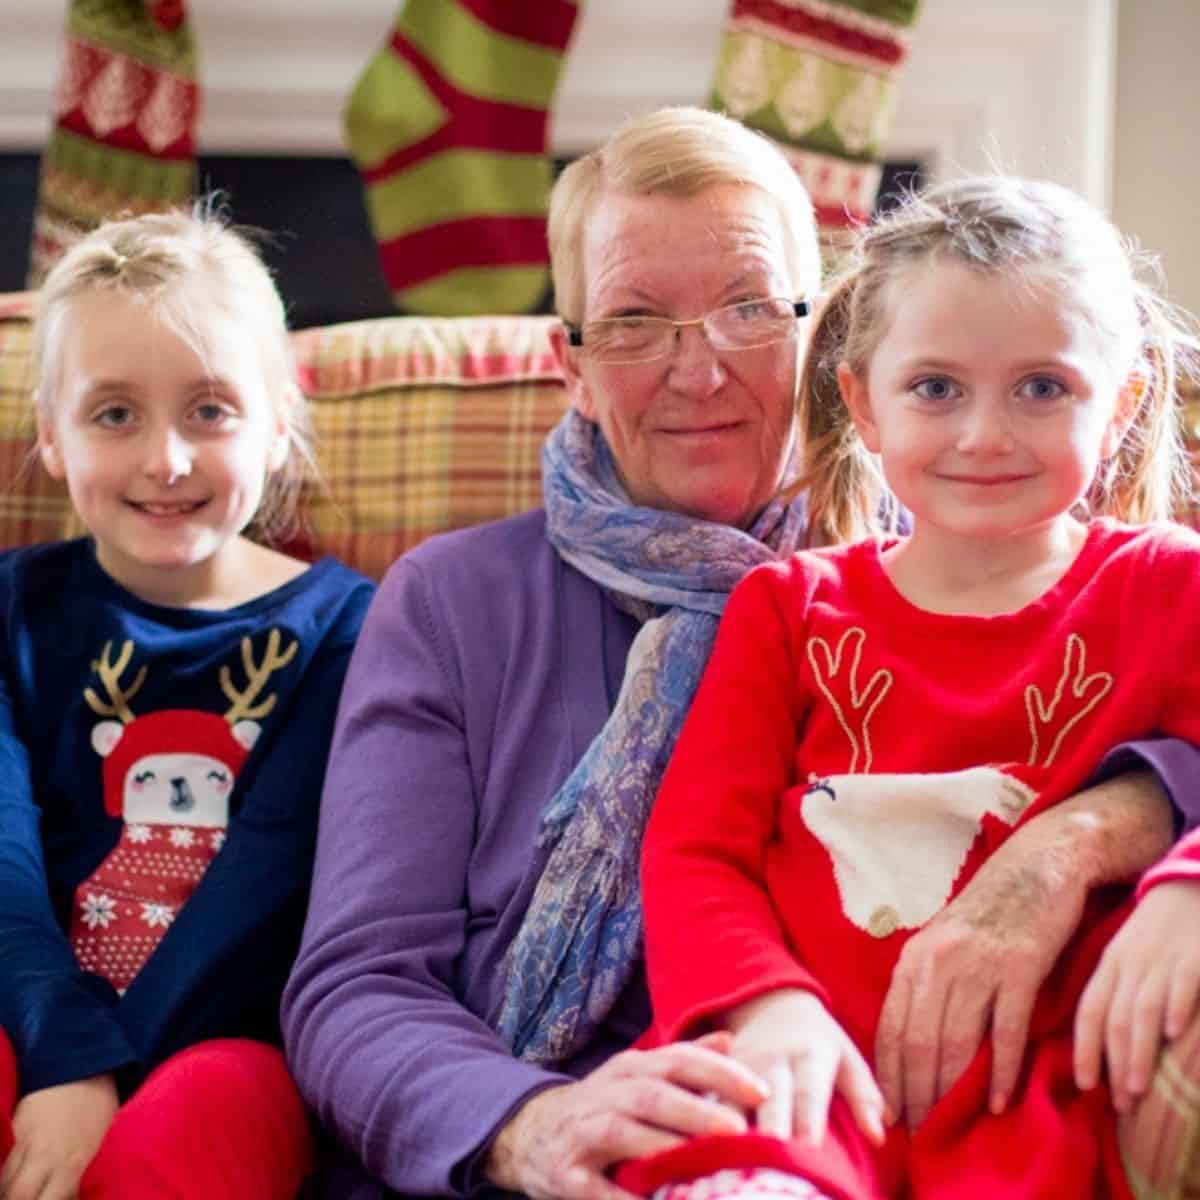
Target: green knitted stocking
{"x":818,"y":76}
{"x":448,"y":128}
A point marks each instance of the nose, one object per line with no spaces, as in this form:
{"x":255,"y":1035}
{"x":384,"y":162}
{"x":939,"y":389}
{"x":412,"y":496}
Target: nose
{"x":985,"y":429}
{"x":696,"y":368}
{"x":168,"y":455}
{"x":182,"y":799}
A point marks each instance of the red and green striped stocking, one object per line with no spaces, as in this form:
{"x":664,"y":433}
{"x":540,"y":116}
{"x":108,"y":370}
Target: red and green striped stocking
{"x":124,"y":137}
{"x":819,"y":77}
{"x":448,"y":128}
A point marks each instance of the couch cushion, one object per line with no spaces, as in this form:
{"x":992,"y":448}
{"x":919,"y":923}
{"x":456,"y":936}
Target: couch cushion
{"x":422,"y":425}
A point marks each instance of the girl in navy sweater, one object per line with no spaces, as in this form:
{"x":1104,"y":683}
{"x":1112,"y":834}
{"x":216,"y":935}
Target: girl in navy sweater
{"x":167,"y":692}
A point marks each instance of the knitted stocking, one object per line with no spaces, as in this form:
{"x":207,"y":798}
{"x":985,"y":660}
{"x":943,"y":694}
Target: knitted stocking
{"x":125,"y":120}
{"x":818,"y":76}
{"x":448,"y":127}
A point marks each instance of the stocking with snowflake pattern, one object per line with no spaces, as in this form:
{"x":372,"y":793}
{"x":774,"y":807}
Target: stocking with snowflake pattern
{"x":125,"y":116}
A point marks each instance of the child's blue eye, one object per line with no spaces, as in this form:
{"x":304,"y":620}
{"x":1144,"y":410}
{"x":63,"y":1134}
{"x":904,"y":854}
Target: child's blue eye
{"x":114,"y":417}
{"x":936,"y":388}
{"x":1043,"y":387}
{"x":210,"y":413}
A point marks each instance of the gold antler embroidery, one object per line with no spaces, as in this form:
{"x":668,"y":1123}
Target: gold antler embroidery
{"x":1040,"y":713}
{"x":240,"y":707}
{"x":110,"y":674}
{"x":865,"y":701}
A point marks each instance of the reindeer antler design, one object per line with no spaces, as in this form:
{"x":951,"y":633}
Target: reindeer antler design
{"x":110,"y":675}
{"x":240,"y":702}
{"x":861,"y":701}
{"x":1086,"y":690}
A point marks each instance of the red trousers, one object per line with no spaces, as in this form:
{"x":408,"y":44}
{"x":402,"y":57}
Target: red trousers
{"x":221,"y":1118}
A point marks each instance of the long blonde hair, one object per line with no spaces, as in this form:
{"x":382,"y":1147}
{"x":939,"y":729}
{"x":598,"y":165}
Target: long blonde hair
{"x":995,"y":224}
{"x":187,"y":265}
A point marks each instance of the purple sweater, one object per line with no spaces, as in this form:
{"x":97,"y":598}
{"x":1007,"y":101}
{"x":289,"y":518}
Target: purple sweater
{"x":482,"y":673}
{"x":484,"y":669}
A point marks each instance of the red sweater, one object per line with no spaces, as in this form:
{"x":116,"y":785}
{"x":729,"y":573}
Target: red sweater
{"x":850,"y":759}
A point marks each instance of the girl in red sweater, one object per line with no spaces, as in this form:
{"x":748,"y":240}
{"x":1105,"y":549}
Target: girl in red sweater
{"x":876,"y":718}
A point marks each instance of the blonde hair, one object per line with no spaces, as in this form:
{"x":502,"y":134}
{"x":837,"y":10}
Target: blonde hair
{"x":995,"y":224}
{"x":188,"y":265}
{"x":677,"y":151}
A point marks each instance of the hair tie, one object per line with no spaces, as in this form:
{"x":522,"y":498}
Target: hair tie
{"x":119,"y":261}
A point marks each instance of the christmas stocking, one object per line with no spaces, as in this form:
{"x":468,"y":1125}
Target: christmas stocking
{"x":818,"y":76}
{"x":125,"y":119}
{"x":448,"y":127}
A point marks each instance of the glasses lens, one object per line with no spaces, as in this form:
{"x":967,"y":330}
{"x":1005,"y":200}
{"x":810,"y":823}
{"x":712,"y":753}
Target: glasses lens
{"x":628,"y":339}
{"x":754,"y":323}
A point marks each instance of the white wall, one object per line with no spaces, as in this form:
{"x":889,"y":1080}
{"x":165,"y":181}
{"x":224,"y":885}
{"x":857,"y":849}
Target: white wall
{"x":1025,"y":83}
{"x":1156,"y":158}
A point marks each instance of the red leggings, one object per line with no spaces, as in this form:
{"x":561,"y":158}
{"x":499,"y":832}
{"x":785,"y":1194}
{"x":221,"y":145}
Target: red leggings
{"x":221,"y":1118}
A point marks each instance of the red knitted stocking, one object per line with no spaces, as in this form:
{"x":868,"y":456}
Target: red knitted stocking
{"x":448,"y":127}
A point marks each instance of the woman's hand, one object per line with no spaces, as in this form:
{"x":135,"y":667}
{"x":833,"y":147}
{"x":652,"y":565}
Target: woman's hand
{"x":789,"y":1038}
{"x":561,"y":1142}
{"x":57,"y":1132}
{"x":980,"y":962}
{"x":1144,"y":991}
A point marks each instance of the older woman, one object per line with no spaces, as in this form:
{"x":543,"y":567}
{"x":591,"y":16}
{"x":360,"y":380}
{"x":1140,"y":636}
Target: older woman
{"x":470,"y":980}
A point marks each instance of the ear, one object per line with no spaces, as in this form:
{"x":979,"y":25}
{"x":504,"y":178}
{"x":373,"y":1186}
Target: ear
{"x":569,"y":363}
{"x":48,"y":449}
{"x":1129,"y":401}
{"x":281,"y":440}
{"x":857,"y":400}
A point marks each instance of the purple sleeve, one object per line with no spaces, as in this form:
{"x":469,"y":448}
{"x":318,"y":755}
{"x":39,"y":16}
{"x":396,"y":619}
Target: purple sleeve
{"x":1175,"y":762}
{"x":412,"y":1080}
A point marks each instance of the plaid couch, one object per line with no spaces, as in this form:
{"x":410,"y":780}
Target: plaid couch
{"x":427,"y":424}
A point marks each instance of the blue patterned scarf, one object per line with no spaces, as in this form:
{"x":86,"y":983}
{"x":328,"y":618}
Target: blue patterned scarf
{"x":581,"y":938}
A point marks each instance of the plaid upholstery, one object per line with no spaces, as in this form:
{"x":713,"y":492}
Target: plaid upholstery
{"x":422,"y":425}
{"x":1160,"y":1138}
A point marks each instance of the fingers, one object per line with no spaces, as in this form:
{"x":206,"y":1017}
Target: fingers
{"x":920,"y":1046}
{"x":813,"y":1092}
{"x":963,"y":1029}
{"x":775,"y":1114}
{"x":889,"y":1045}
{"x":23,"y":1178}
{"x":1182,"y":997}
{"x":698,"y":1068}
{"x":1010,"y":1029}
{"x":1089,"y":1028}
{"x":856,"y":1083}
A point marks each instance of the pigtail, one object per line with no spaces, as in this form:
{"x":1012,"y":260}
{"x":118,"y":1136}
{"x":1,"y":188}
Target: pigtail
{"x":1150,"y":476}
{"x":844,"y":484}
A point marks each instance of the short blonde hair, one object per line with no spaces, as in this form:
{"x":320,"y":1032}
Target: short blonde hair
{"x":188,"y":265}
{"x":679,"y":152}
{"x":1051,"y":236}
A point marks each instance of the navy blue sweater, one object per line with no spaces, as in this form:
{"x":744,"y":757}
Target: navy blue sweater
{"x":221,"y":965}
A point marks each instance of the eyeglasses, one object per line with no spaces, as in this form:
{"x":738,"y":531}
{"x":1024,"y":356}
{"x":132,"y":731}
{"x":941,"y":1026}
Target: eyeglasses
{"x":743,"y":326}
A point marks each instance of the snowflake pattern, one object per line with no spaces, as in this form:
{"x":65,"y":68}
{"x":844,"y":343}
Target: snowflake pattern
{"x":156,"y":915}
{"x":98,"y":909}
{"x":217,"y":840}
{"x":139,"y":833}
{"x":182,"y":838}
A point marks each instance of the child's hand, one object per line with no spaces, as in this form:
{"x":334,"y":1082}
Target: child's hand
{"x":57,"y":1130}
{"x":791,"y":1041}
{"x":1144,"y":991}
